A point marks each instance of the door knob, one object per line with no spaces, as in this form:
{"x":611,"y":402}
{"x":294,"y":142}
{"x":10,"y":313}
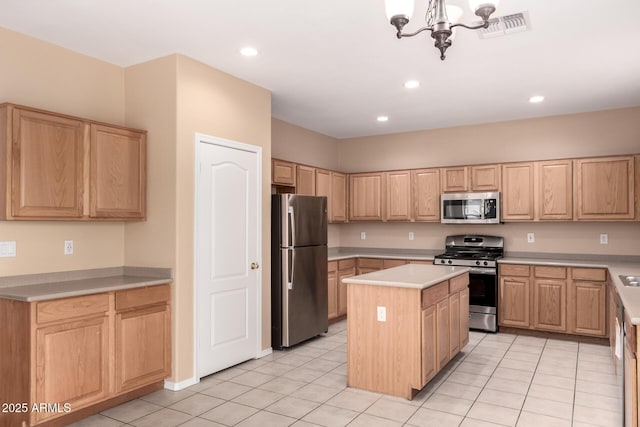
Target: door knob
{"x":254,"y":266}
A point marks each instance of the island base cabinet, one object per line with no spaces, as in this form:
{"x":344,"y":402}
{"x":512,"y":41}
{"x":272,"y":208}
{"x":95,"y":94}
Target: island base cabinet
{"x":400,"y":354}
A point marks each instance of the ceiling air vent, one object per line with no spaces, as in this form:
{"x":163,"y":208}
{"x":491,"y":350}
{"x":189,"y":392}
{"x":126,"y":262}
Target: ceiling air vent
{"x":505,"y":25}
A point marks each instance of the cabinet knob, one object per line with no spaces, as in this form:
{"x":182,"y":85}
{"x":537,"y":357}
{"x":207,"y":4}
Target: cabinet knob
{"x":255,"y":266}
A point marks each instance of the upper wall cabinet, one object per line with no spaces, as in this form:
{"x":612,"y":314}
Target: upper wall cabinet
{"x":471,"y":178}
{"x":518,"y":191}
{"x":305,"y":180}
{"x":426,"y":194}
{"x":604,"y":188}
{"x":398,"y":205}
{"x":57,"y":167}
{"x":555,"y":190}
{"x":283,"y":173}
{"x":338,"y":203}
{"x":366,"y":193}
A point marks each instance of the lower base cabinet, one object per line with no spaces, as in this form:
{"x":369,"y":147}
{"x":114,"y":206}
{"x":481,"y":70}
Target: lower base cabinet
{"x":69,"y":354}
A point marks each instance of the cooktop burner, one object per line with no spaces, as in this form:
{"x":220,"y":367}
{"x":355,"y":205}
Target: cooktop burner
{"x":471,"y":250}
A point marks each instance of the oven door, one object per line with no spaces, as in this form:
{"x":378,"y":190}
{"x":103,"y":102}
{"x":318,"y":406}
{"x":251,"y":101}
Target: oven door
{"x":483,"y":299}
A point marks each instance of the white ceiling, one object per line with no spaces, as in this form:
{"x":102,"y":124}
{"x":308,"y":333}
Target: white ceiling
{"x":335,"y":65}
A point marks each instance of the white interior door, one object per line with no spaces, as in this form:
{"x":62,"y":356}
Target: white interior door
{"x":227,"y":244}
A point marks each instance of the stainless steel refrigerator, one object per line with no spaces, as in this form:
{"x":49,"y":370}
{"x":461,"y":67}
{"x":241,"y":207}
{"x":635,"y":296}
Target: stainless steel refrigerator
{"x":298,"y":268}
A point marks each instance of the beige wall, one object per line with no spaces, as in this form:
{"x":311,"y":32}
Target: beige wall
{"x":578,"y":135}
{"x":41,"y":75}
{"x":300,"y":145}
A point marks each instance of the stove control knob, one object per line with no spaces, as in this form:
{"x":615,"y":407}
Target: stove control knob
{"x":478,"y":262}
{"x":486,"y":263}
{"x":449,"y":261}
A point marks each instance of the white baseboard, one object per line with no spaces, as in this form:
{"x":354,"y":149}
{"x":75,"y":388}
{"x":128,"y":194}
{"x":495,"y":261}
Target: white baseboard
{"x":173,"y":386}
{"x":265,"y":352}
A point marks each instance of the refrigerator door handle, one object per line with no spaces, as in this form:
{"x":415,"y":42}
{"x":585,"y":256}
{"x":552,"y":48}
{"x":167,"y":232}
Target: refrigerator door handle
{"x":290,"y":260}
{"x":291,"y":226}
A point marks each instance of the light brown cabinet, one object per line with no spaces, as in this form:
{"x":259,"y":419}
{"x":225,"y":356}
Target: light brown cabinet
{"x":399,"y":198}
{"x":338,"y":211}
{"x":426,"y":194}
{"x":83,"y":351}
{"x":518,"y":191}
{"x":587,"y":308}
{"x":555,"y":190}
{"x":346,"y":268}
{"x":305,"y":180}
{"x":369,"y":265}
{"x":366,"y":196}
{"x":332,"y":294}
{"x":323,"y":187}
{"x":283,"y":173}
{"x":455,"y":179}
{"x":604,"y":188}
{"x":454,"y":324}
{"x":58,"y":167}
{"x":479,"y":178}
{"x":513,"y":298}
{"x":429,"y":367}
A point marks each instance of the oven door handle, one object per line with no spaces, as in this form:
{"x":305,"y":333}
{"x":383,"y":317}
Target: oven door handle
{"x":487,"y":271}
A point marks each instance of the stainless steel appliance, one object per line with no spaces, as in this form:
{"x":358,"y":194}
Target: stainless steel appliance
{"x":481,"y":254}
{"x":298,"y":268}
{"x":470,"y":208}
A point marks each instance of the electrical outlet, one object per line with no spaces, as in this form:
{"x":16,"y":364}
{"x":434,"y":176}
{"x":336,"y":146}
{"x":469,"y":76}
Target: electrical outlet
{"x":7,"y":249}
{"x":604,"y":239}
{"x":68,"y":247}
{"x":411,"y":235}
{"x":382,"y":314}
{"x":531,"y":238}
{"x":363,"y":235}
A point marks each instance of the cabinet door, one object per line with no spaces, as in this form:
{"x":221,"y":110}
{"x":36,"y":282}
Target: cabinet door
{"x":332,"y":292}
{"x":485,"y":178}
{"x":283,"y":173}
{"x":442,"y":322}
{"x":72,"y":363}
{"x":518,"y":192}
{"x":464,"y":318}
{"x":454,"y":324}
{"x":365,"y":195}
{"x":455,"y":179}
{"x":398,"y":206}
{"x":513,"y":301}
{"x":588,"y":308}
{"x":630,"y":386}
{"x":143,"y":347}
{"x":555,"y":190}
{"x":342,"y":289}
{"x":338,"y":197}
{"x":429,"y":344}
{"x":550,"y":304}
{"x":604,"y":188}
{"x":323,"y":188}
{"x":426,"y":194}
{"x":47,"y":157}
{"x":118,"y":173}
{"x":305,"y":180}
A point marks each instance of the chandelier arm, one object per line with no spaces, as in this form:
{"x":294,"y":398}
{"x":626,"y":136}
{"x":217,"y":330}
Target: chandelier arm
{"x":414,"y":33}
{"x":485,"y":24}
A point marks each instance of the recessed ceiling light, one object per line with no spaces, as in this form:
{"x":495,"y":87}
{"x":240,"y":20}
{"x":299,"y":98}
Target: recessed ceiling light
{"x":382,"y":119}
{"x":536,"y":99}
{"x":248,"y":51}
{"x":411,"y":84}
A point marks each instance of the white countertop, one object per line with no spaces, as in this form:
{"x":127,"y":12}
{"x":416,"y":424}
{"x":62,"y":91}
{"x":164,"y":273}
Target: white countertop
{"x":415,"y":276}
{"x":336,"y":254}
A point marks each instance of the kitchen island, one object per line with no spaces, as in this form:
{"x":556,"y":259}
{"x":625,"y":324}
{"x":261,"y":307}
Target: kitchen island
{"x":405,"y":324}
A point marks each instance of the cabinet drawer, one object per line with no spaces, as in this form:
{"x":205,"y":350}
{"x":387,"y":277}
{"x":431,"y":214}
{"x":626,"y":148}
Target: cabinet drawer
{"x":332,"y":266}
{"x":389,"y":263}
{"x":370,"y":263}
{"x":344,"y":264}
{"x":458,"y":283}
{"x":142,"y":297}
{"x":435,"y":293}
{"x":69,"y":308}
{"x":594,"y":274}
{"x":514,"y":270}
{"x":550,"y":272}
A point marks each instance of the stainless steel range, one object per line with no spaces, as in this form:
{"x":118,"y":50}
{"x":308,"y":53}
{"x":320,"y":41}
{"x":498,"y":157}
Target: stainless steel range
{"x":481,"y":254}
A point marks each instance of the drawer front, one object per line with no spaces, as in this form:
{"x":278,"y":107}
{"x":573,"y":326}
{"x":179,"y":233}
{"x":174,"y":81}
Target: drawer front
{"x":594,"y":274}
{"x":141,"y":297}
{"x":332,"y":266}
{"x":370,"y":263}
{"x":514,"y":270}
{"x":70,"y":308}
{"x":550,"y":272}
{"x":344,"y":264}
{"x":458,"y":283}
{"x":389,"y":263}
{"x":435,"y":293}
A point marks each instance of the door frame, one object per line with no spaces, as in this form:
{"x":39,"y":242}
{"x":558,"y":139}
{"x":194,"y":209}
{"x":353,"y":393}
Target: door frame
{"x":199,"y":140}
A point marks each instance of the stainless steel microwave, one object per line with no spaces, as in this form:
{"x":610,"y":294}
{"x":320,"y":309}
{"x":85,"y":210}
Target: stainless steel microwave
{"x":470,"y":208}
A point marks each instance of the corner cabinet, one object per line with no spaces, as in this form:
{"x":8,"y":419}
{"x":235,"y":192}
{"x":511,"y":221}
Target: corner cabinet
{"x":58,"y":167}
{"x":101,"y":349}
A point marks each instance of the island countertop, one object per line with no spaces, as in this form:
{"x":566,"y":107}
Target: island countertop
{"x":415,"y":276}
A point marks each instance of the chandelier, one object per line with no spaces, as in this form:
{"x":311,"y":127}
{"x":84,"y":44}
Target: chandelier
{"x":399,"y":13}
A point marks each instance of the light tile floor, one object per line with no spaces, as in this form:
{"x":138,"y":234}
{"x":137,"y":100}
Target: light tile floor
{"x":497,"y":380}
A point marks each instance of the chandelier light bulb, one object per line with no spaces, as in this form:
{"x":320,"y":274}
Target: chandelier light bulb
{"x":475,"y":4}
{"x":399,"y":8}
{"x":454,"y":13}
